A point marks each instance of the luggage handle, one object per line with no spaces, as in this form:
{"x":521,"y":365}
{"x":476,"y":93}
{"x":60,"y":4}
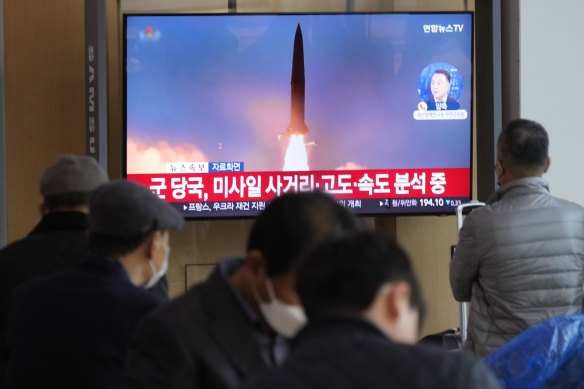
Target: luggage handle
{"x":464,"y":209}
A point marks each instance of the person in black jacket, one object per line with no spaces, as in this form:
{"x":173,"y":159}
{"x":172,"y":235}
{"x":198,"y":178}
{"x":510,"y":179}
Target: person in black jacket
{"x":236,"y":323}
{"x":58,"y":240}
{"x":71,"y":329}
{"x":364,"y":309}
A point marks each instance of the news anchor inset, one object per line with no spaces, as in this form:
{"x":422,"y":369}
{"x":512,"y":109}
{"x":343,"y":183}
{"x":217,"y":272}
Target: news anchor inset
{"x":440,"y":87}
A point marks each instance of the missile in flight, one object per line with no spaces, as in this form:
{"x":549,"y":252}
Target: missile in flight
{"x":297,"y":125}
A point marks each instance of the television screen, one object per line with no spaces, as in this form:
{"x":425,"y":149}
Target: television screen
{"x":224,"y":112}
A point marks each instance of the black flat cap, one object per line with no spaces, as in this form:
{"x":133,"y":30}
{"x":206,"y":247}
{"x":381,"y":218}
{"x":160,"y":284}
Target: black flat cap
{"x":126,"y":209}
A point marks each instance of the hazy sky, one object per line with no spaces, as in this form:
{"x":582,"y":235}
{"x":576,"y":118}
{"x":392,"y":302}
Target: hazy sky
{"x":221,"y":83}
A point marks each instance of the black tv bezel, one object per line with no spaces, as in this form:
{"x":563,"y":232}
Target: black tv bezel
{"x":450,"y":212}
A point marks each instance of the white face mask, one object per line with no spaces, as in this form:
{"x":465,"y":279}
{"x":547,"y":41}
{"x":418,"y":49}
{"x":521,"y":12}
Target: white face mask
{"x":157,"y":275}
{"x":286,"y":319}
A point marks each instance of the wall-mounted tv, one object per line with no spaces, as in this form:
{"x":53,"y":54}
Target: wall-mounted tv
{"x":223,"y":112}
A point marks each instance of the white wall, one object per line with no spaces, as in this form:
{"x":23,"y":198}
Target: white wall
{"x":552,"y":85}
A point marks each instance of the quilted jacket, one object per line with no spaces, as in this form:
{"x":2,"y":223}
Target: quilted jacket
{"x":520,"y":261}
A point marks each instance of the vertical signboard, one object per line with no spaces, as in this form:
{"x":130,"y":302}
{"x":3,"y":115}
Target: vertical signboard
{"x":96,"y":81}
{"x":3,"y":233}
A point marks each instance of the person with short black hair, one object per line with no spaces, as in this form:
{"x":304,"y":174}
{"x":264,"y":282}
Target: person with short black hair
{"x":520,"y":259}
{"x":440,"y":89}
{"x":71,"y":329}
{"x":291,"y":224}
{"x":523,"y":150}
{"x":237,"y":322}
{"x":344,"y":276}
{"x":365,"y":309}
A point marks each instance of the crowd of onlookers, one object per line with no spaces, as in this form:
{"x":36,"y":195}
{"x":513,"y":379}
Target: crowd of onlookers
{"x":316,"y":301}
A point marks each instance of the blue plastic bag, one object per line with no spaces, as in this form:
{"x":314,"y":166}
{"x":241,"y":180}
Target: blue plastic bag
{"x":548,"y":355}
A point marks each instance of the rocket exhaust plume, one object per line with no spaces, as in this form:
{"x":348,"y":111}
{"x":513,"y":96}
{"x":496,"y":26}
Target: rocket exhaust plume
{"x":296,"y":157}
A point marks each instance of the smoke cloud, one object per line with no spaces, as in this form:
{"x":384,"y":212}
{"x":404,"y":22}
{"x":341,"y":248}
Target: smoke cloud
{"x":351,"y":166}
{"x":144,"y":157}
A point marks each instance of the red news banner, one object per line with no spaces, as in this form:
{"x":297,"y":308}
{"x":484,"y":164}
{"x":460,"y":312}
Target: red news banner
{"x":352,"y":184}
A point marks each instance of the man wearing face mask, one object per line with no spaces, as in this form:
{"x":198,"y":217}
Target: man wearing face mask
{"x":238,"y":321}
{"x":72,"y":329}
{"x":365,"y":310}
{"x":520,"y":259}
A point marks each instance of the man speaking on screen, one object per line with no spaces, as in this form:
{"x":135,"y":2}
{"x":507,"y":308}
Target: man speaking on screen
{"x":440,"y":88}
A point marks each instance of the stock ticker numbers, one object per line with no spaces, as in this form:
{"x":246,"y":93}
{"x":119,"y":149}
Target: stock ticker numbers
{"x":431,"y":202}
{"x":439,"y":202}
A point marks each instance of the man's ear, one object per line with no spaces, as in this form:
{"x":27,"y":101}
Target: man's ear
{"x":402,"y":320}
{"x":547,"y":165}
{"x":151,"y":243}
{"x":255,"y":265}
{"x":391,"y":312}
{"x":499,"y":170}
{"x":43,"y":209}
{"x":397,"y":299}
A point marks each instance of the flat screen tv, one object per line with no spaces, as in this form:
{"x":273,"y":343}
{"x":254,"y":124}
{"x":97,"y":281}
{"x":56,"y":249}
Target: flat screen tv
{"x":223,"y":112}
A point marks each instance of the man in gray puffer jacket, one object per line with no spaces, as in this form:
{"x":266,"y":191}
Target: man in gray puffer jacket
{"x":520,"y":259}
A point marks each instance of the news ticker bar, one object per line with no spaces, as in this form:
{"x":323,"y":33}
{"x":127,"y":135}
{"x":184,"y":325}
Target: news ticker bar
{"x":358,"y":206}
{"x":347,"y":184}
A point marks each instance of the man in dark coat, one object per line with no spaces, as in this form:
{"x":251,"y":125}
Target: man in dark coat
{"x":364,"y":309}
{"x":58,"y":240}
{"x":71,"y":329}
{"x":237,"y":322}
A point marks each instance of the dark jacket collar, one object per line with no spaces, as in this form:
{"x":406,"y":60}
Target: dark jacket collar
{"x":229,"y":324}
{"x":222,"y":274}
{"x":337,"y":323}
{"x":99,"y":264}
{"x":58,"y":221}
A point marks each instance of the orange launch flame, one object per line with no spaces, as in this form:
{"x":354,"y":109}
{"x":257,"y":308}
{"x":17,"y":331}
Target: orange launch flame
{"x":296,"y":158}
